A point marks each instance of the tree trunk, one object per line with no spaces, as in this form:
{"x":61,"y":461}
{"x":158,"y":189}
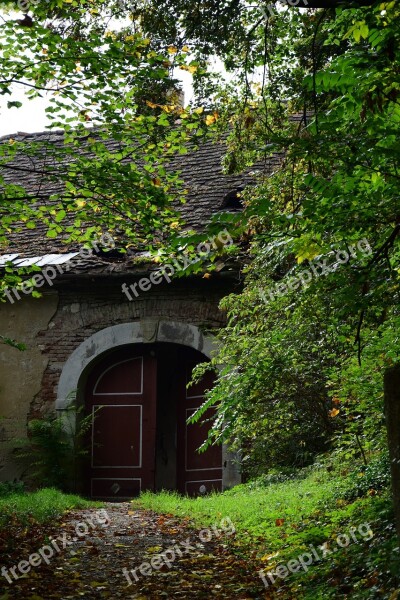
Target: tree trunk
{"x":392,"y":413}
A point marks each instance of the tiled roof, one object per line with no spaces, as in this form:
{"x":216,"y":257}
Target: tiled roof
{"x":201,"y":171}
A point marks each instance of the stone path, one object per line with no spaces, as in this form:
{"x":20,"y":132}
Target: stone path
{"x":118,"y":552}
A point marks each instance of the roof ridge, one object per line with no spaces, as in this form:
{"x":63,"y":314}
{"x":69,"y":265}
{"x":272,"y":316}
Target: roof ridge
{"x":27,"y":134}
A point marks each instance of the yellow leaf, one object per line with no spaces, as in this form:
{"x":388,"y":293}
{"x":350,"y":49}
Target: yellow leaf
{"x":168,"y":108}
{"x":192,"y":68}
{"x":206,"y":276}
{"x":154,"y":549}
{"x":210,"y":119}
{"x":172,"y":50}
{"x":151,"y":104}
{"x":334,"y":412}
{"x":199,"y":110}
{"x":185,"y":49}
{"x":269,"y":556}
{"x":307,"y":253}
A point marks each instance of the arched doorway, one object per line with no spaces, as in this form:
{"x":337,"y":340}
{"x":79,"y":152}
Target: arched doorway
{"x":166,"y":334}
{"x":140,"y":440}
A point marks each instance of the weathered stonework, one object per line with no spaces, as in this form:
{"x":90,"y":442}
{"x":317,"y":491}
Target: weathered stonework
{"x":54,"y":326}
{"x":102,"y":304}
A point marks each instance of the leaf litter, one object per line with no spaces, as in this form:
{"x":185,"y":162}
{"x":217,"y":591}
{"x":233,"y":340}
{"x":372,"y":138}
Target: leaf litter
{"x":91,"y":567}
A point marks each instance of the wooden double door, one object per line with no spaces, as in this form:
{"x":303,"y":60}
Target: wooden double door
{"x":140,"y":440}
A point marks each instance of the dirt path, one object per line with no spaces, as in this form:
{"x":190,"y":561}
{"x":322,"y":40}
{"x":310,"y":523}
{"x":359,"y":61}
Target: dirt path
{"x":117,"y":552}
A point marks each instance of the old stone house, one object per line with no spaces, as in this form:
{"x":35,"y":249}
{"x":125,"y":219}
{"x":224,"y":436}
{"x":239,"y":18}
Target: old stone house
{"x":125,"y":356}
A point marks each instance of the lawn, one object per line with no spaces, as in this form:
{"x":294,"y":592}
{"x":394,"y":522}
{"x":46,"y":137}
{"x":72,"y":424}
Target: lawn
{"x":38,"y":507}
{"x":283,"y":521}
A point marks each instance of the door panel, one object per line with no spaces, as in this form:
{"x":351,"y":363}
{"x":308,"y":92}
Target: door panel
{"x":116,"y":436}
{"x":120,"y":487}
{"x":125,"y":377}
{"x":121,"y":397}
{"x":197,"y":473}
{"x":196,"y":433}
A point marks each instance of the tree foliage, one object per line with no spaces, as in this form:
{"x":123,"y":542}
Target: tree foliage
{"x":305,"y":362}
{"x":319,"y":91}
{"x":111,"y":89}
{"x":113,"y":93}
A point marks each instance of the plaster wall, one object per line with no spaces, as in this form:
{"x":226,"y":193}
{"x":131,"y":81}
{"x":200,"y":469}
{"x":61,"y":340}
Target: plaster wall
{"x":21,"y":373}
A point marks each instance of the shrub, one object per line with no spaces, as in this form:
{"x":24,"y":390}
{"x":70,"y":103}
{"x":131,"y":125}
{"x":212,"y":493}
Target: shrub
{"x":375,"y":476}
{"x":53,"y":449}
{"x":7,"y":488}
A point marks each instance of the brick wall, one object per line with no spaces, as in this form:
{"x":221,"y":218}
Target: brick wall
{"x":87,"y":307}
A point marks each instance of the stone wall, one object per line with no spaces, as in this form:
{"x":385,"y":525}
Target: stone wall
{"x":53,"y":326}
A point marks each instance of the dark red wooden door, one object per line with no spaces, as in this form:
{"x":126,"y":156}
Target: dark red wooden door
{"x":121,"y":398}
{"x":197,"y":473}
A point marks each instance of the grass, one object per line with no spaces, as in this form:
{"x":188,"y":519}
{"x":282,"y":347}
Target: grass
{"x":277,"y":522}
{"x":41,"y":506}
{"x":277,"y":519}
{"x":253,"y":509}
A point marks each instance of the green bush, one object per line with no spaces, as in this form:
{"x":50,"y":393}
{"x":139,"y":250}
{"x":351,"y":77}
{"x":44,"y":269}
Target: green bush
{"x":54,"y":449}
{"x":375,"y":476}
{"x":273,"y":477}
{"x":7,"y":488}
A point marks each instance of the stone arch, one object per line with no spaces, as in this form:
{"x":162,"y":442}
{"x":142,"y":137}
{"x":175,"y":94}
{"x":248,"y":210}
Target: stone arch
{"x":145,"y":331}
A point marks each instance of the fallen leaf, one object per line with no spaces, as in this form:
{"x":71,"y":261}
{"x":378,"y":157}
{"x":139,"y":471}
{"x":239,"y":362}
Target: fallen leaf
{"x":154,"y":549}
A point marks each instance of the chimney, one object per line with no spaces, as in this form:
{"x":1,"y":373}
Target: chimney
{"x":176,"y":96}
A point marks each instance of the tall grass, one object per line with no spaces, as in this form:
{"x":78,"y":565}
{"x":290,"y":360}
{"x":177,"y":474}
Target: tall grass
{"x":252,"y":509}
{"x":41,"y":506}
